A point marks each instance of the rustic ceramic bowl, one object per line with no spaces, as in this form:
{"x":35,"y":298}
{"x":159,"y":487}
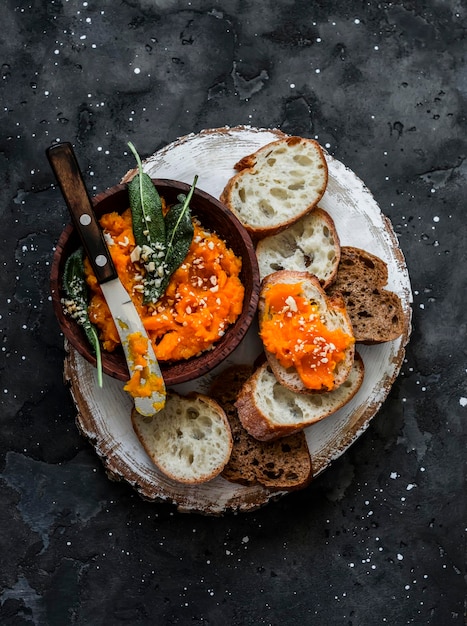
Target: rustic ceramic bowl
{"x":213,"y":216}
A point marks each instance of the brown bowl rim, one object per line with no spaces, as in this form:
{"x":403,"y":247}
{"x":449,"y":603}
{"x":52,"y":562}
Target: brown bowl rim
{"x":178,"y":372}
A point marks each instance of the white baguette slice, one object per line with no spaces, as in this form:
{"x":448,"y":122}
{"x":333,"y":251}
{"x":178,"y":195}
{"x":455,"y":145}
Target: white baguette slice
{"x":189,"y":440}
{"x":333,"y":314}
{"x":310,"y":245}
{"x":277,"y":184}
{"x":268,"y":411}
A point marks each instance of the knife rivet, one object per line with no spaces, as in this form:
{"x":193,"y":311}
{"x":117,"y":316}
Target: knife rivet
{"x":101,"y":260}
{"x":85,"y":219}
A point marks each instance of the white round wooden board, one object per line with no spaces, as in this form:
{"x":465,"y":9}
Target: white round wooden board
{"x":104,"y":413}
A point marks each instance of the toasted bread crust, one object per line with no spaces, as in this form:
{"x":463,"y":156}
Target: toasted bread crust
{"x":284,"y":464}
{"x":267,"y":208}
{"x":330,"y":307}
{"x":269,"y":411}
{"x":311,"y":245}
{"x":189,"y":440}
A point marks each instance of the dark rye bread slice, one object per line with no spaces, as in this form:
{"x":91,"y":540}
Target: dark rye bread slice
{"x":283,"y":465}
{"x":276,"y":185}
{"x":376,"y":313}
{"x":267,"y":410}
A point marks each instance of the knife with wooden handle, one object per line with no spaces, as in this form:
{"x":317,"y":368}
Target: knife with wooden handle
{"x":150,"y":395}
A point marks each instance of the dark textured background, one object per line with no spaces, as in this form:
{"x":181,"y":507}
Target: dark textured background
{"x":379,"y":537}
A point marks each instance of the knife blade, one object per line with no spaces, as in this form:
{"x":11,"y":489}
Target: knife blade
{"x":146,"y":383}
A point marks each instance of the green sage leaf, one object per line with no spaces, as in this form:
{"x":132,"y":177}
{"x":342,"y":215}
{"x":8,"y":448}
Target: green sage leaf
{"x":162,"y":242}
{"x":76,"y":302}
{"x":180,"y":228}
{"x":146,"y":208}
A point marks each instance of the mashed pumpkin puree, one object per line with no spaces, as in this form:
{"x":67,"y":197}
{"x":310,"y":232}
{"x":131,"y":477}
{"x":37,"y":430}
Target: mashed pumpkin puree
{"x":204,"y":296}
{"x":143,"y":383}
{"x":293,"y":331}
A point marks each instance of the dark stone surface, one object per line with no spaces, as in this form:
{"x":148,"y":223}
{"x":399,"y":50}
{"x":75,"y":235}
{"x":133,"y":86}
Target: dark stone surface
{"x":379,"y":537}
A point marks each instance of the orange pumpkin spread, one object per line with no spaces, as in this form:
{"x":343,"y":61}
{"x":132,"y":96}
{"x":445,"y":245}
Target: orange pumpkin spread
{"x":292,"y":330}
{"x":142,"y":383}
{"x":204,"y":296}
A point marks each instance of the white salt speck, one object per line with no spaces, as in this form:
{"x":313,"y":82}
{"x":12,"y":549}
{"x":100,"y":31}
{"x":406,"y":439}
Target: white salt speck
{"x":56,"y":51}
{"x":318,"y":39}
{"x":463,"y":401}
{"x":292,"y":85}
{"x":245,"y":539}
{"x":393,"y":475}
{"x":328,"y":145}
{"x":317,"y":71}
{"x":82,"y":37}
{"x":376,"y":47}
{"x":410,"y":486}
{"x":436,"y":218}
{"x":399,"y":557}
{"x":137,"y":70}
{"x":422,"y":306}
{"x":356,"y":21}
